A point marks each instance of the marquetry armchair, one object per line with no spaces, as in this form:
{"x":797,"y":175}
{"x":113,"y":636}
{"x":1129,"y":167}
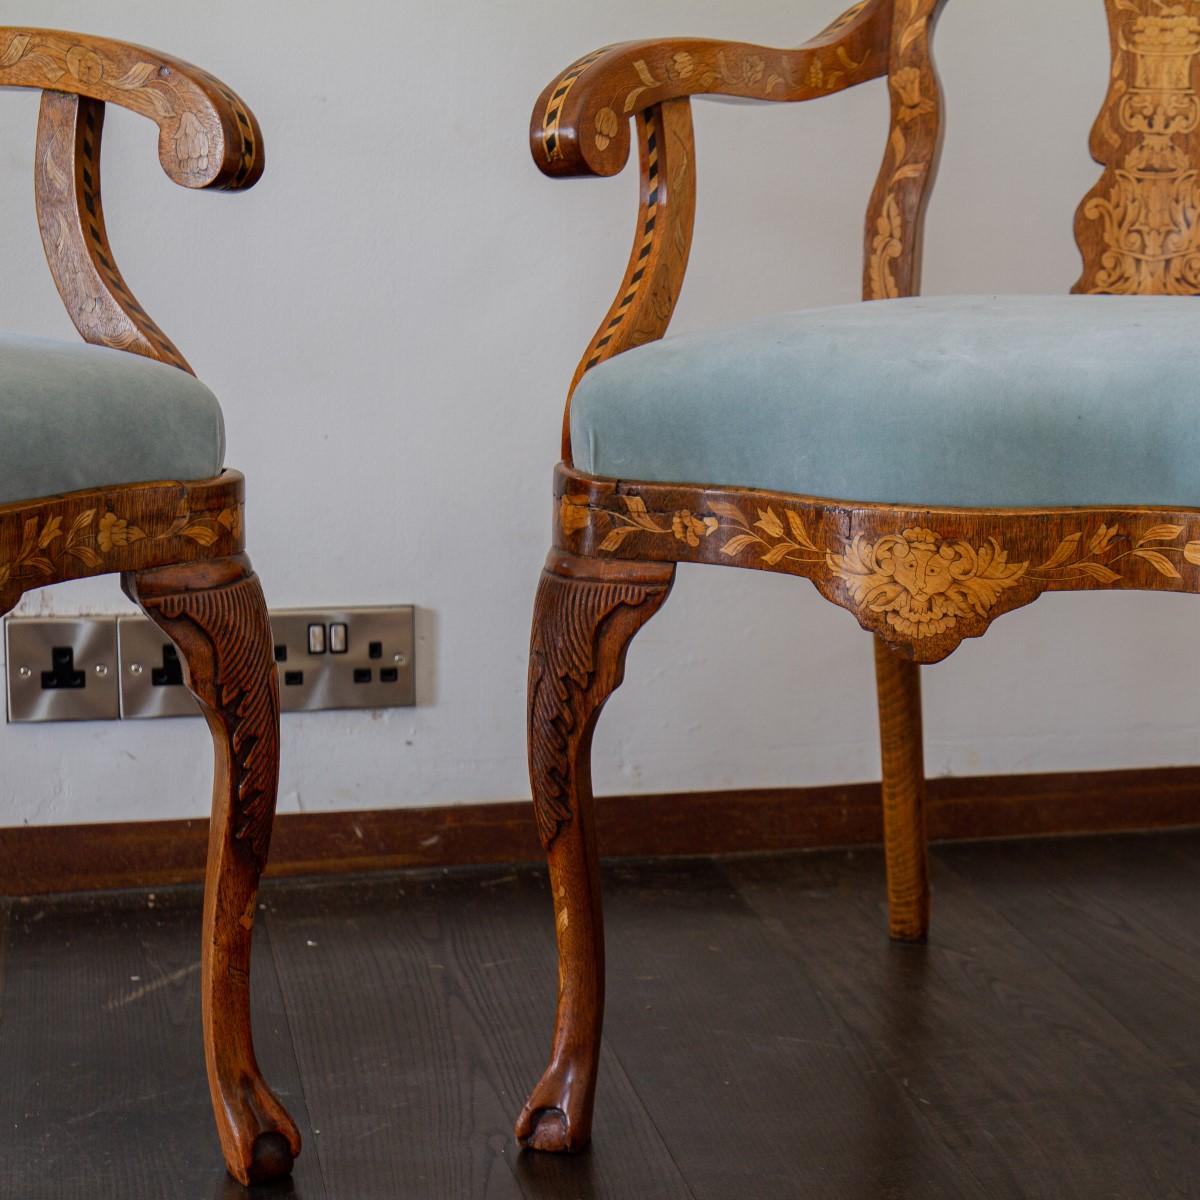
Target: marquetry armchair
{"x":928,"y":464}
{"x":111,"y":457}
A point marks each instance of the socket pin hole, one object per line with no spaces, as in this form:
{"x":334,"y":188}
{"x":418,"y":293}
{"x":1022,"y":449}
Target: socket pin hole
{"x":63,"y":674}
{"x":281,"y":653}
{"x":170,"y":674}
{"x":362,"y":674}
{"x":389,"y":675}
{"x":375,"y":650}
{"x":293,"y":678}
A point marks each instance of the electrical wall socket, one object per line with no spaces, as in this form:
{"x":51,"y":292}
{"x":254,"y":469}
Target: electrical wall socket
{"x":151,"y":673}
{"x":101,"y":668}
{"x":344,"y":658}
{"x":62,"y":669}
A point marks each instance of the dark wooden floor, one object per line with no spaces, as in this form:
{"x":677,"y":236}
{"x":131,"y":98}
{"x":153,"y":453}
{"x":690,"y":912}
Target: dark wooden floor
{"x":764,"y":1039}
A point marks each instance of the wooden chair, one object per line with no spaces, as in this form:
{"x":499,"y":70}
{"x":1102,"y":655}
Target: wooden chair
{"x":928,"y":465}
{"x":89,"y":434}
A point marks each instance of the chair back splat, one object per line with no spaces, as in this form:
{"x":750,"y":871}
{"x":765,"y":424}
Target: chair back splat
{"x":1137,"y":229}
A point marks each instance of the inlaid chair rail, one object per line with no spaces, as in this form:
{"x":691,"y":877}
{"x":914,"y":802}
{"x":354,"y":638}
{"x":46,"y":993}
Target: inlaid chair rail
{"x":207,"y":138}
{"x":921,"y":579}
{"x":124,"y":528}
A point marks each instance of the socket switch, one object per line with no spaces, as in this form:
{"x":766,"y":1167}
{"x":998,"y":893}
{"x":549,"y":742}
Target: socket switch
{"x":344,"y":658}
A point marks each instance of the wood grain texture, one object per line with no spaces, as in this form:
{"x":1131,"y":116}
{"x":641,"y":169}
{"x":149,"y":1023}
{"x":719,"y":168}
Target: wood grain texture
{"x":215,"y":614}
{"x":38,"y":859}
{"x":1106,"y":911}
{"x":762,"y":1040}
{"x":1138,"y":229}
{"x":580,"y":123}
{"x":120,"y":528}
{"x":754,"y":1080}
{"x":207,"y":137}
{"x":71,"y":219}
{"x":904,"y":825}
{"x":896,"y":212}
{"x":922,"y":579}
{"x":409,"y":999}
{"x":583,"y":621}
{"x":1007,"y":1059}
{"x":101,"y":1052}
{"x":585,"y":616}
{"x":662,"y":241}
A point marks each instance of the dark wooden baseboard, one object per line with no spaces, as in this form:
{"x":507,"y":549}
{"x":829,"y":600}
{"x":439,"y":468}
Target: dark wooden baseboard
{"x":66,"y":858}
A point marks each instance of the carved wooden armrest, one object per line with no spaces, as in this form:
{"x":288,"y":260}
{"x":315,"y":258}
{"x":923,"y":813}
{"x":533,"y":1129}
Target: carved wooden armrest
{"x":581,"y":127}
{"x":581,"y":121}
{"x":207,"y":138}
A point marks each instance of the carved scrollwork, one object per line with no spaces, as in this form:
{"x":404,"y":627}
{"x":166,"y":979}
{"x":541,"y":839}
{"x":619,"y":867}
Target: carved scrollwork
{"x":228,"y":626}
{"x":580,"y":630}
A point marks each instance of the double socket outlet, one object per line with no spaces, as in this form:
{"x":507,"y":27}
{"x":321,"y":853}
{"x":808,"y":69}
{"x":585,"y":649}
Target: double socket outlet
{"x":105,"y":668}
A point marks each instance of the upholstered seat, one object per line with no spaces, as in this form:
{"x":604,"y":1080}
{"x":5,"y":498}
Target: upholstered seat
{"x":1009,"y":401}
{"x":76,"y":416}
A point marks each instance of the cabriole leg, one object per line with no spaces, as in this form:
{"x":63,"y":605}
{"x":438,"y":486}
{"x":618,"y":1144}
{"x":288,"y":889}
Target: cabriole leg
{"x":904,"y":836}
{"x":585,"y":615}
{"x":215,"y":614}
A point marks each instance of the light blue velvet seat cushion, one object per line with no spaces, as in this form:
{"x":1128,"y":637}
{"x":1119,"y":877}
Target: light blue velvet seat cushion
{"x":77,"y":416}
{"x":1010,"y":401}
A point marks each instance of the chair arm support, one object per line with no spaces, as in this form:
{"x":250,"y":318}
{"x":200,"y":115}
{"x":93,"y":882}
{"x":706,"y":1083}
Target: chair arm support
{"x":66,"y":188}
{"x":580,"y":123}
{"x":207,"y":137}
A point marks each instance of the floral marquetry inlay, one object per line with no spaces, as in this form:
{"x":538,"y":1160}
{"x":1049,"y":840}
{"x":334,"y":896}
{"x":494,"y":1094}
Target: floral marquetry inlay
{"x":92,"y":535}
{"x":1138,"y":228}
{"x":208,"y":138}
{"x":121,"y":529}
{"x":581,"y":120}
{"x":924,"y":579}
{"x":922,"y":584}
{"x":895,"y":213}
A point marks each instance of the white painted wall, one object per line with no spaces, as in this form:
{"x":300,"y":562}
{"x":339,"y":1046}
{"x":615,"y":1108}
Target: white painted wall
{"x":391,"y":318}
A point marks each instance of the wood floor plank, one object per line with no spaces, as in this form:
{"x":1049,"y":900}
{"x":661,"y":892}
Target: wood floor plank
{"x":101,"y":1056}
{"x":5,"y":907}
{"x":763,"y":1040}
{"x":1019,"y":1070}
{"x":751,"y":1077}
{"x":421,"y":1007}
{"x":1119,"y":915}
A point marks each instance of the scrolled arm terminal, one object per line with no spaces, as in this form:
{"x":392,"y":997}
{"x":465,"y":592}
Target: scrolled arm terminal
{"x":207,"y":137}
{"x":580,"y":123}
